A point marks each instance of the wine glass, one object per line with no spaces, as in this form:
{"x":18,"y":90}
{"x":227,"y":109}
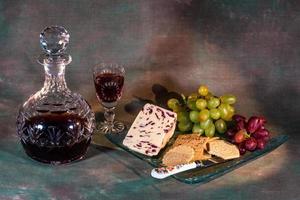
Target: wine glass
{"x":109,"y":81}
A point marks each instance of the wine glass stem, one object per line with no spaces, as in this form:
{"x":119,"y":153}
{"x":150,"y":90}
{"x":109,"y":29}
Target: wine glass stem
{"x":109,"y":114}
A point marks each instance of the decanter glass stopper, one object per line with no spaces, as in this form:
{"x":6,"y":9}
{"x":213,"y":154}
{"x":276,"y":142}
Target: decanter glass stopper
{"x":54,"y":40}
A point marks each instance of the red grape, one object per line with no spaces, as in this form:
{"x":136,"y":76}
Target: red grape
{"x":242,"y":148}
{"x":262,"y":119}
{"x":238,"y":118}
{"x":240,"y":125}
{"x":231,"y":140}
{"x":251,"y":144}
{"x":253,"y":124}
{"x":260,"y":144}
{"x":240,"y":136}
{"x":262,"y":127}
{"x":261,"y":133}
{"x":230,"y":132}
{"x":266,"y":138}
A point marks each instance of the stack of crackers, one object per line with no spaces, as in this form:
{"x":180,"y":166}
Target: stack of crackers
{"x":191,"y":147}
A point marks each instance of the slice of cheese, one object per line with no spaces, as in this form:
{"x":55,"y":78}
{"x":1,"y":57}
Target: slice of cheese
{"x":151,"y":130}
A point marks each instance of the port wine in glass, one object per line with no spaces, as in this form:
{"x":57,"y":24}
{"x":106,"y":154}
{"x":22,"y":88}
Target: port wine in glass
{"x":109,"y":81}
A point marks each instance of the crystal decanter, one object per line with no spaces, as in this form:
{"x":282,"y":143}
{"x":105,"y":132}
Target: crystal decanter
{"x":55,"y":125}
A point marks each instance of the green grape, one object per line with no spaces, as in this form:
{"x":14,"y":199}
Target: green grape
{"x":198,"y":129}
{"x":178,"y":109}
{"x":203,"y":90}
{"x":230,"y":108}
{"x":213,"y":103}
{"x":192,"y":104}
{"x":205,"y":124}
{"x":228,"y":98}
{"x":193,"y":97}
{"x":230,"y":112}
{"x":221,"y":126}
{"x":194,"y":116}
{"x":215,"y":113}
{"x":223,"y":111}
{"x":228,"y":117}
{"x":203,"y":115}
{"x":173,"y":103}
{"x":201,"y":104}
{"x":183,"y":116}
{"x":210,"y":130}
{"x":185,"y":126}
{"x":209,"y":96}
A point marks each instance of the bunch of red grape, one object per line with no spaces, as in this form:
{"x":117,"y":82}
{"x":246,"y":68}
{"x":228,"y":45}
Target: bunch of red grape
{"x":248,"y":135}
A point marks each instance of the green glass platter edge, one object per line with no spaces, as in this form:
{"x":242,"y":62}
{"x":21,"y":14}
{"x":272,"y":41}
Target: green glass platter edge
{"x":201,"y":175}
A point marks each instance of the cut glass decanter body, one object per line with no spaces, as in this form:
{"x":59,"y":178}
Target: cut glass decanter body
{"x":55,"y":125}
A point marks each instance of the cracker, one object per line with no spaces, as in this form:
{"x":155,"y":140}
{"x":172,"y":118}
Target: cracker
{"x":223,"y":149}
{"x":208,"y":141}
{"x":178,"y":155}
{"x":195,"y":141}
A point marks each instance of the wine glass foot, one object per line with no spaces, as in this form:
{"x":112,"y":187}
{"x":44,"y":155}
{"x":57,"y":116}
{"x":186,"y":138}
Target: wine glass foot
{"x":106,"y":128}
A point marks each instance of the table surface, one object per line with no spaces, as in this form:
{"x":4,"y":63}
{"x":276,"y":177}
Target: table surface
{"x":250,"y":49}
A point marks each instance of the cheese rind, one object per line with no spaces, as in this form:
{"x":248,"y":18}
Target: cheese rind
{"x":151,"y":130}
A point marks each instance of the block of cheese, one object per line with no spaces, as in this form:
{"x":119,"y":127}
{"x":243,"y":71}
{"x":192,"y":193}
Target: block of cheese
{"x":151,"y":130}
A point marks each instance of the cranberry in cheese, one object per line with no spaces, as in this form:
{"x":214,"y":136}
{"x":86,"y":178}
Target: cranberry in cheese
{"x":151,"y":130}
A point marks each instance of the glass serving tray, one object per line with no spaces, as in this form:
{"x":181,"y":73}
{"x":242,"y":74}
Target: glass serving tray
{"x":202,"y":174}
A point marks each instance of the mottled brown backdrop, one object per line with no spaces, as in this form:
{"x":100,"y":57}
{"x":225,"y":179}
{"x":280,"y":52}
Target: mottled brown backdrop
{"x":250,"y":48}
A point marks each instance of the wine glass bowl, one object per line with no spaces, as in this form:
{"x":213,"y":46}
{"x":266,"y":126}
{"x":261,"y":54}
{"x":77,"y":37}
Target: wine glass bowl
{"x":109,"y":81}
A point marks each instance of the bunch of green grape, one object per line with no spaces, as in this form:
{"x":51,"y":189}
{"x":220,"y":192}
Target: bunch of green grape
{"x":203,"y":112}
